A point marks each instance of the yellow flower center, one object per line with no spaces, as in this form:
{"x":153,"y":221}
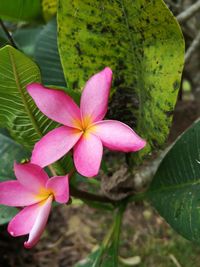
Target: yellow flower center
{"x":44,"y":194}
{"x":85,"y":125}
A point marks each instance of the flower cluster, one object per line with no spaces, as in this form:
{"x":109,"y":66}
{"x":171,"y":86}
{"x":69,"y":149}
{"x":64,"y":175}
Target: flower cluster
{"x":83,"y":130}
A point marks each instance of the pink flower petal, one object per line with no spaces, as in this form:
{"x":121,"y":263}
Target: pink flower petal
{"x":54,"y":145}
{"x":116,"y":135}
{"x":31,"y":176}
{"x":23,"y":222}
{"x":87,"y":155}
{"x":40,"y":223}
{"x":60,"y":187}
{"x":94,"y":99}
{"x":55,"y":104}
{"x":13,"y":194}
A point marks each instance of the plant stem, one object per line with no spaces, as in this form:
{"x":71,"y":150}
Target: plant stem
{"x":118,"y":223}
{"x":82,"y":194}
{"x":52,"y":170}
{"x":112,"y":237}
{"x":89,"y":196}
{"x":9,"y":36}
{"x":86,"y":196}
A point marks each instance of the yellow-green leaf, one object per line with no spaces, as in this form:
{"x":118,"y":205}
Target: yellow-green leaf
{"x":49,"y":8}
{"x":143,"y":44}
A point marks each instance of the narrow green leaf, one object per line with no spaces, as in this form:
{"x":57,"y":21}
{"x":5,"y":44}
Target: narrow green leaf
{"x":47,"y":56}
{"x":18,"y":113}
{"x":20,"y":10}
{"x":175,"y":190}
{"x":88,"y":262}
{"x":143,"y":44}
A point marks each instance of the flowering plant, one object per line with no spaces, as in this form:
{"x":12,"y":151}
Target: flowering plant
{"x":63,"y":124}
{"x":83,"y":129}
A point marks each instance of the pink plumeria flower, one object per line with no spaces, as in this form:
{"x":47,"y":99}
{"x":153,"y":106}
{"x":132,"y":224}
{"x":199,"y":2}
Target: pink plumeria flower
{"x":35,"y":191}
{"x":83,"y":130}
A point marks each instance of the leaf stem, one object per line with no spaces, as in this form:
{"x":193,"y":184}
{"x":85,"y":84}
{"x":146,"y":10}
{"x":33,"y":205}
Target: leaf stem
{"x":9,"y":36}
{"x":24,"y":100}
{"x":52,"y":170}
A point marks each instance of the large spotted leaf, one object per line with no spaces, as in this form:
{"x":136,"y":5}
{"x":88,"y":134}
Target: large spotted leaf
{"x":175,"y":190}
{"x":18,"y":113}
{"x":143,"y":44}
{"x":49,"y":8}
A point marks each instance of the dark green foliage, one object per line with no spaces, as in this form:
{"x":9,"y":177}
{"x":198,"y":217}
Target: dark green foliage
{"x":47,"y":56}
{"x":175,"y":190}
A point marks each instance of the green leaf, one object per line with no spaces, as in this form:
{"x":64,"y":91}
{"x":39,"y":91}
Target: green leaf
{"x":25,"y":39}
{"x":98,"y":259}
{"x":110,"y":258}
{"x":49,"y":8}
{"x":175,"y":190}
{"x":20,"y":10}
{"x":41,"y":44}
{"x":3,"y":38}
{"x":88,"y":262}
{"x":4,"y":131}
{"x":9,"y":152}
{"x":7,"y":213}
{"x":47,"y":56}
{"x":18,"y":113}
{"x":143,"y":44}
{"x":93,"y":185}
